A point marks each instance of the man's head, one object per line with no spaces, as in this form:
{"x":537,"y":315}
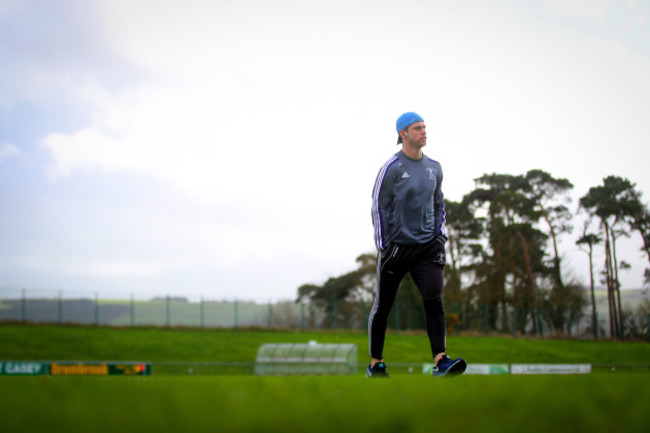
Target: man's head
{"x":410,"y":128}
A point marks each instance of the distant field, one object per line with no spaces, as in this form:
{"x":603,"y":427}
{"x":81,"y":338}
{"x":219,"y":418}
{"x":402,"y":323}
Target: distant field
{"x":601,"y":401}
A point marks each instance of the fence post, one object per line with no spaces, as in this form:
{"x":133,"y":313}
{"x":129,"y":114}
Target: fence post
{"x":597,"y":325}
{"x":302,"y":316}
{"x":202,"y":314}
{"x":23,"y":308}
{"x":60,"y":307}
{"x":236,"y":314}
{"x":96,"y":310}
{"x":167,"y":312}
{"x":486,"y":319}
{"x":132,"y":311}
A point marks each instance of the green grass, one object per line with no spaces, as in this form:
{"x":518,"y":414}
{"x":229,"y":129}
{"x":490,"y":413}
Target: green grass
{"x":602,"y":401}
{"x":217,"y":345}
{"x":325,"y":404}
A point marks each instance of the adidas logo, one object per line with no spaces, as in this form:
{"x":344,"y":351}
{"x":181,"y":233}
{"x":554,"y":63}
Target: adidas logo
{"x":405,"y":175}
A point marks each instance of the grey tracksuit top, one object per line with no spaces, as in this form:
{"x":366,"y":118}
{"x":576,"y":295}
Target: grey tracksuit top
{"x":407,"y":202}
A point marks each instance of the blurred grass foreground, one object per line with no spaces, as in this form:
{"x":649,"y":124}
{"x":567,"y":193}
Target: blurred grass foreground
{"x":241,"y":402}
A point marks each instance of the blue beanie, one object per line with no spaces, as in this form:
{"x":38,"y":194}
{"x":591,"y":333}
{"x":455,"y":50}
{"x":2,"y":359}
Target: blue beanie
{"x":406,"y":120}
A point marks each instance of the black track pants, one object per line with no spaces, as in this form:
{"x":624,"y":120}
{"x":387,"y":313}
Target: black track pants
{"x":391,"y":268}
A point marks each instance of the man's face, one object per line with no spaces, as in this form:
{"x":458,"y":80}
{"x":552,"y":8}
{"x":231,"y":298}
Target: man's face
{"x":415,"y":135}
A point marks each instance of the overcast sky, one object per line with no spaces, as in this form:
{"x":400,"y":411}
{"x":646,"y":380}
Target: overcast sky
{"x":229,"y":148}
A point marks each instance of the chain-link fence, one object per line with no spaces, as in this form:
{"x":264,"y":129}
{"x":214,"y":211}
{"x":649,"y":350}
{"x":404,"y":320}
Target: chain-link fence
{"x":62,"y":308}
{"x":173,"y":311}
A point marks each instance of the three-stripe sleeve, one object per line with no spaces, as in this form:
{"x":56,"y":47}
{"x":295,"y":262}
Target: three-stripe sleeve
{"x":440,"y":215}
{"x":379,"y":214}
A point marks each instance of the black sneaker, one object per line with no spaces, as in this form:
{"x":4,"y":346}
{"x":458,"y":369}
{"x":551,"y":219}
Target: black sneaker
{"x":379,"y":370}
{"x":449,"y":367}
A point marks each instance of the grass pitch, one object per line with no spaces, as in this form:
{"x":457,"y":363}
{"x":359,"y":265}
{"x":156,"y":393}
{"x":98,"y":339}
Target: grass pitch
{"x":417,"y":403}
{"x":52,"y":342}
{"x":602,"y":401}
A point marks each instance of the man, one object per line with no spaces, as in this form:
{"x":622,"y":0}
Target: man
{"x":408,"y":215}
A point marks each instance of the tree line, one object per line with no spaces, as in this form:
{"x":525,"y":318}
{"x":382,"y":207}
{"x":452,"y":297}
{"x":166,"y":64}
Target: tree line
{"x":503,"y":265}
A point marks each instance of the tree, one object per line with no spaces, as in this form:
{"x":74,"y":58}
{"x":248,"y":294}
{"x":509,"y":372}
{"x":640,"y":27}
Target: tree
{"x":343,"y":297}
{"x":545,"y":190}
{"x":613,"y":203}
{"x":500,"y":263}
{"x":464,"y":231}
{"x":638,"y":218}
{"x":340,"y":297}
{"x":591,"y":239}
{"x":516,"y":246}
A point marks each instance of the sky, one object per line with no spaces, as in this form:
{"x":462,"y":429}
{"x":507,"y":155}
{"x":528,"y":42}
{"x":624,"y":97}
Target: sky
{"x":223,"y":149}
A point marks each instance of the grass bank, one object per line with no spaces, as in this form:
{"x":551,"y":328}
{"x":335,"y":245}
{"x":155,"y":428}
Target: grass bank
{"x":51,"y":342}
